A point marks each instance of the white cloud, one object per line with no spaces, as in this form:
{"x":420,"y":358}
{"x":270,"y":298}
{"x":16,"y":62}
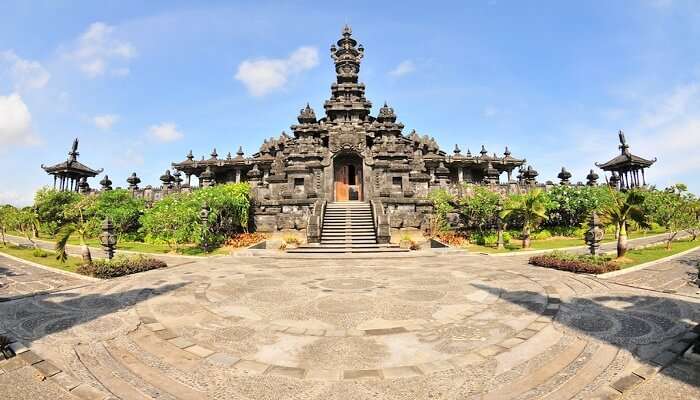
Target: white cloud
{"x":15,"y":122}
{"x":264,"y":75}
{"x":25,"y":74}
{"x":15,"y":198}
{"x":98,"y":49}
{"x":404,"y":68}
{"x":165,"y":132}
{"x":105,"y":121}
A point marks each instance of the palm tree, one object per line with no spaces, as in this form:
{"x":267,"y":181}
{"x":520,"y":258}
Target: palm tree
{"x":83,"y":231}
{"x":530,"y":208}
{"x":624,"y":208}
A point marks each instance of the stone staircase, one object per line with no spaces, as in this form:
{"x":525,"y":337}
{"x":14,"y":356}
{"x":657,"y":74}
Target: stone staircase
{"x":348,"y":227}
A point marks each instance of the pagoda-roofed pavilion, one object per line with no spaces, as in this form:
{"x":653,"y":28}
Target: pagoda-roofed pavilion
{"x":625,"y":168}
{"x":70,"y":172}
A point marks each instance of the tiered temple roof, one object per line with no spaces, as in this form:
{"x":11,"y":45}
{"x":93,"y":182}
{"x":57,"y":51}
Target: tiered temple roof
{"x":71,"y":174}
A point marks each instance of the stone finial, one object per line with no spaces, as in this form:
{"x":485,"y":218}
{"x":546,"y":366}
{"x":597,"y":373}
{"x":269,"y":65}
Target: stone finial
{"x":506,"y":153}
{"x":83,"y":186}
{"x":177,"y":178}
{"x":564,"y":176}
{"x":386,"y":114}
{"x":307,"y":115}
{"x":483,"y":151}
{"x":206,"y":178}
{"x":469,"y":152}
{"x":133,"y":181}
{"x":190,"y":156}
{"x":106,"y":183}
{"x":167,"y":179}
{"x":592,"y":178}
{"x":239,"y":153}
{"x":457,"y":150}
{"x":214,"y":154}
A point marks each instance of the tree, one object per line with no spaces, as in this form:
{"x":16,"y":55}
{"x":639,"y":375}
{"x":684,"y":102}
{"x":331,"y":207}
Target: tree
{"x":84,"y":228}
{"x":50,"y":206}
{"x":624,"y":207}
{"x":8,"y":216}
{"x":672,"y":209}
{"x":694,"y":210}
{"x":571,"y":206}
{"x":26,"y":221}
{"x":530,"y":208}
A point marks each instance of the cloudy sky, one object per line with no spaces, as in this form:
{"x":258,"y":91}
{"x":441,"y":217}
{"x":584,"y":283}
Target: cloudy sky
{"x":141,"y":83}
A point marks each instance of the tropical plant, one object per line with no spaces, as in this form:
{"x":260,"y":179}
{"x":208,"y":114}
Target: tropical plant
{"x":624,"y":207}
{"x":571,"y":206}
{"x":84,"y":228}
{"x":530,"y":208}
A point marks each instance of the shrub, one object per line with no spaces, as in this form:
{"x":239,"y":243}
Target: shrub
{"x":544,"y":234}
{"x":245,"y":239}
{"x":40,"y":253}
{"x":174,"y":220}
{"x":123,"y":209}
{"x":443,"y":204}
{"x":507,"y":237}
{"x":575,"y":263}
{"x":291,"y":239}
{"x":120,"y":266}
{"x":452,"y":239}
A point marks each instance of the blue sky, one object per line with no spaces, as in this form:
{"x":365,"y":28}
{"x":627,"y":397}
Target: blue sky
{"x":141,"y":83}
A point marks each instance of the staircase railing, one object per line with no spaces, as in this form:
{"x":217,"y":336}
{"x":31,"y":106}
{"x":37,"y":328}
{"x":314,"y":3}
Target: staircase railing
{"x":381,"y":222}
{"x":315,"y":225}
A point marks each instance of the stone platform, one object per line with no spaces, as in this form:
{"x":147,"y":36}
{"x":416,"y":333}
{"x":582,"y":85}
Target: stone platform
{"x":445,"y":327}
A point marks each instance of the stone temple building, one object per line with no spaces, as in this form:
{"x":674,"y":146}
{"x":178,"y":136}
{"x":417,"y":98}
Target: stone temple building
{"x":349,"y":154}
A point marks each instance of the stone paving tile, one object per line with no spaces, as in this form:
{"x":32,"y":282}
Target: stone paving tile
{"x":226,"y":317}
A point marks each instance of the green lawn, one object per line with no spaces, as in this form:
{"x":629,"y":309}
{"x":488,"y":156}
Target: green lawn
{"x":136,"y":246}
{"x":551,"y":244}
{"x":641,"y":256}
{"x":50,"y":260}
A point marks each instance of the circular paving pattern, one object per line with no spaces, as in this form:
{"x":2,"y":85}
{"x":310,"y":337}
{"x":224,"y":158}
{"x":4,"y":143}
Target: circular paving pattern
{"x":457,"y":326}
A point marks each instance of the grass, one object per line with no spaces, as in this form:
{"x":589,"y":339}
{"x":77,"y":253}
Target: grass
{"x":553,"y":243}
{"x":140,"y":247}
{"x":28,"y":253}
{"x":641,"y":256}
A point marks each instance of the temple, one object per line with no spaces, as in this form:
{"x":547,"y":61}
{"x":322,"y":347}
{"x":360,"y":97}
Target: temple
{"x":348,"y":154}
{"x":71,"y":175}
{"x":627,"y":169}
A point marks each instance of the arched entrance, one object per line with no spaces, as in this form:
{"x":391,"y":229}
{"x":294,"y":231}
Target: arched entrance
{"x":347,"y":177}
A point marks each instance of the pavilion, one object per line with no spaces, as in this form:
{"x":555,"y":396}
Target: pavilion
{"x":70,"y":173}
{"x":625,"y":168}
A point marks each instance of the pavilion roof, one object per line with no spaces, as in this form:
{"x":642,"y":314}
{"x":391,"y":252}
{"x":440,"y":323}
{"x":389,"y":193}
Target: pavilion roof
{"x":626,"y":160}
{"x":71,"y":167}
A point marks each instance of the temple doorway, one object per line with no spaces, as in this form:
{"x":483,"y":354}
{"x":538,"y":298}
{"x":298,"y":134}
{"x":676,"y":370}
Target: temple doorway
{"x":348,"y":177}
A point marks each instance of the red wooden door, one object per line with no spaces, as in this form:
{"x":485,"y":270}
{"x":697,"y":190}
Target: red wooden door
{"x":341,"y":184}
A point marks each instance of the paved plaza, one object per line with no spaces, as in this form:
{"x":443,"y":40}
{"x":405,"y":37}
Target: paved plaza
{"x":442,"y":327}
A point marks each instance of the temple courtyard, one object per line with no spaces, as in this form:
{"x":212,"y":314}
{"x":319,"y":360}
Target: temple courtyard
{"x":451,"y":326}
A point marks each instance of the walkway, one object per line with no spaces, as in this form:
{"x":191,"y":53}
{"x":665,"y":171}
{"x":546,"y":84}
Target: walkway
{"x":445,"y":327}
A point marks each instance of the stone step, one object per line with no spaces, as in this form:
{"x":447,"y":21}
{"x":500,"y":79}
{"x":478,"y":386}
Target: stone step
{"x":347,"y":240}
{"x":336,"y":232}
{"x":357,"y":238}
{"x":352,"y":246}
{"x":322,"y":250}
{"x":350,"y":226}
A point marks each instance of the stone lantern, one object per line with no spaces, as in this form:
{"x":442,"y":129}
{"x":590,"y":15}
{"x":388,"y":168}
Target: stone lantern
{"x":564,"y":176}
{"x":106,"y":183}
{"x":595,"y":234}
{"x":133,"y":181}
{"x":592,"y":179}
{"x":107,"y":238}
{"x":204,"y":218}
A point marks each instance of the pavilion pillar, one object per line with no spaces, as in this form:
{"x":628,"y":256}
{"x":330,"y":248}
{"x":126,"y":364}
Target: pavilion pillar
{"x":460,"y":174}
{"x":510,"y":175}
{"x":238,"y":175}
{"x":54,"y":182}
{"x":189,"y":179}
{"x":644,"y":180}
